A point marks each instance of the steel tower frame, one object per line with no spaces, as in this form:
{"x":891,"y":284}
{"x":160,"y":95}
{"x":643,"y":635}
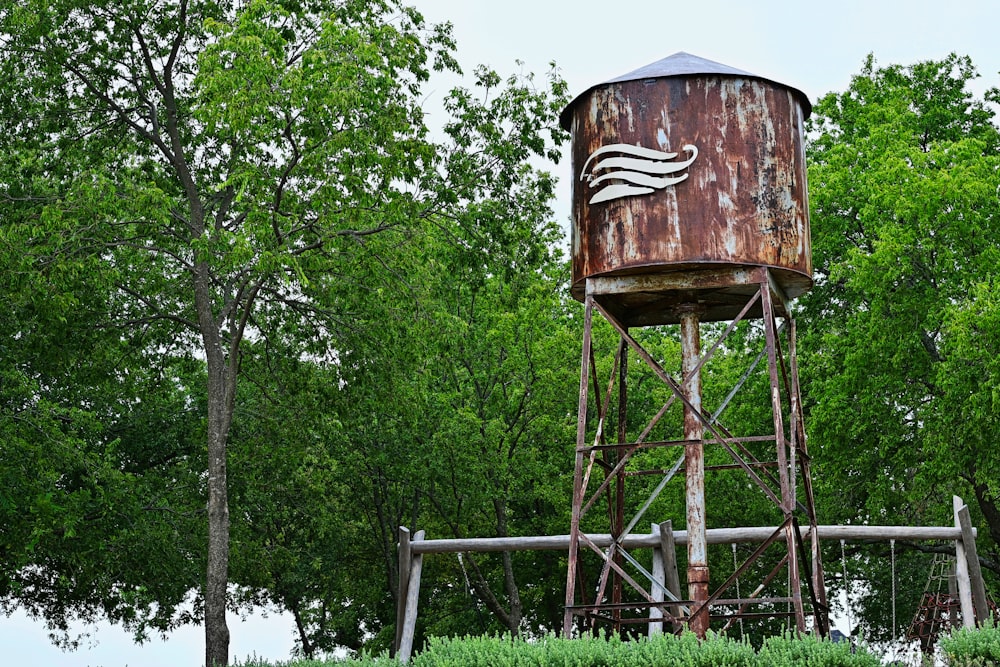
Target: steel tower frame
{"x":683,"y":296}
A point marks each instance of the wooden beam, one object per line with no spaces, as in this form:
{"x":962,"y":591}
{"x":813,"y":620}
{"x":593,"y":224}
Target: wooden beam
{"x":404,"y":555}
{"x":656,"y":591}
{"x":666,"y":576}
{"x":972,"y":559}
{"x":962,"y":572}
{"x":412,"y":598}
{"x":706,"y":278}
{"x":670,"y":565}
{"x":953,"y":593}
{"x":713,"y":535}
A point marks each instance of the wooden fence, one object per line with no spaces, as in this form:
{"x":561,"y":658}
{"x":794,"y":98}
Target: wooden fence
{"x":971,"y":589}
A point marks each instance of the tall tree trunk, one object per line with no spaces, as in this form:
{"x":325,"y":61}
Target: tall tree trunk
{"x":510,"y":583}
{"x":221,"y":393}
{"x":308,"y":650}
{"x":217,"y":570}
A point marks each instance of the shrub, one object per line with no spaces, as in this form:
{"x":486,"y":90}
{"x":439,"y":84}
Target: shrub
{"x":973,"y":647}
{"x":810,"y":651}
{"x":660,"y":651}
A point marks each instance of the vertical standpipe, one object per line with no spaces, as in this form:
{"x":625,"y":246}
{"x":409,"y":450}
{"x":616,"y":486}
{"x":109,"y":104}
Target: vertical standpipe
{"x":694,"y":465}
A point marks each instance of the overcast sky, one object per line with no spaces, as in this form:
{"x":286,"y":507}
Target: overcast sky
{"x":815,"y":47}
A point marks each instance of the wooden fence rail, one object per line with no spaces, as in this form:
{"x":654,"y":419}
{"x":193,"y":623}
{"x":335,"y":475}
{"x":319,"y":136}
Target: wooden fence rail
{"x":714,"y":535}
{"x":411,"y":550}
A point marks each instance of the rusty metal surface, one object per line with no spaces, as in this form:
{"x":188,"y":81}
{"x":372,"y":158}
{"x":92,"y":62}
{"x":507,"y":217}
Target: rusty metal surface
{"x":579,"y":486}
{"x":734,"y":193}
{"x":660,"y":298}
{"x":694,"y":465}
{"x":699,"y":430}
{"x":689,"y":206}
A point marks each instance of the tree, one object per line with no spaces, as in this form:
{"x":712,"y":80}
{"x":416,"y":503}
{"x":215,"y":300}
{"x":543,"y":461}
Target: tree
{"x":502,"y":411}
{"x":98,"y":500}
{"x":453,"y":412}
{"x":295,"y":528}
{"x":897,"y":353}
{"x":216,"y":162}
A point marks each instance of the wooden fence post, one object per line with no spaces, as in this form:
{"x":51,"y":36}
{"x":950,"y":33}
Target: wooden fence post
{"x":670,"y":567}
{"x":412,"y":549}
{"x":952,"y":593}
{"x":404,"y":555}
{"x":655,"y":613}
{"x":412,"y":598}
{"x":964,"y":521}
{"x":962,"y":573}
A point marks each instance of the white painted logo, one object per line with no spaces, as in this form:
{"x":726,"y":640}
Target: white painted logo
{"x":622,"y":170}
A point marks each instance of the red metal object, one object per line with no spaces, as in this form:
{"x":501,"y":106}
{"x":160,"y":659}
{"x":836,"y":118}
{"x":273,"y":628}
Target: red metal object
{"x":690,"y":206}
{"x":940,"y":609}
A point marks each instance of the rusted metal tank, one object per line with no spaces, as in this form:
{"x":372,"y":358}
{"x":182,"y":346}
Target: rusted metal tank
{"x":687,"y":167}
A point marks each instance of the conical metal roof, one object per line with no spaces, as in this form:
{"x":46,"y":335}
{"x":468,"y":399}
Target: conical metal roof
{"x":682,"y":64}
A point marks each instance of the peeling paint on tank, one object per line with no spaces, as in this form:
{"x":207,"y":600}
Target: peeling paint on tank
{"x":631,"y":237}
{"x":743,"y":201}
{"x":730,"y":243}
{"x":726,"y":205}
{"x":661,"y":139}
{"x":595,"y":109}
{"x":705,"y":176}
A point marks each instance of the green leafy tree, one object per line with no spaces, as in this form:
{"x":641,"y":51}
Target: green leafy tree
{"x":502,"y":411}
{"x":898,"y":354}
{"x":295,"y":531}
{"x":99,"y":502}
{"x":474,"y":294}
{"x":460,"y":413}
{"x":214,"y":164}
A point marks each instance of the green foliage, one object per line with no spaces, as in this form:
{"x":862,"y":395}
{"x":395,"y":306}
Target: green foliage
{"x":808,"y":650}
{"x":973,"y":647}
{"x":98,"y":501}
{"x":660,"y":651}
{"x":663,"y":650}
{"x":228,"y":239}
{"x":201,"y":191}
{"x":897,"y":354}
{"x":457,"y":415}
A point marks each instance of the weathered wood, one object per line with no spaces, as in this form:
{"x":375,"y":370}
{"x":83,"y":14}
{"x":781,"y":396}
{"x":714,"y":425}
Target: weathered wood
{"x":412,"y":598}
{"x":660,"y":541}
{"x":404,"y":583}
{"x":673,"y":281}
{"x":655,"y":613}
{"x":666,"y":533}
{"x":972,"y":558}
{"x":952,"y":593}
{"x":665,"y":573}
{"x":713,"y":535}
{"x":962,"y":572}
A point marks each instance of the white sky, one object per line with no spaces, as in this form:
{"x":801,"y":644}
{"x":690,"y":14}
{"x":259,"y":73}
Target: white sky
{"x":815,"y":47}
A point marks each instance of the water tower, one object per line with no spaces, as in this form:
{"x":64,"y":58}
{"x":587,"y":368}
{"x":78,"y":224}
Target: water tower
{"x":689,"y":208}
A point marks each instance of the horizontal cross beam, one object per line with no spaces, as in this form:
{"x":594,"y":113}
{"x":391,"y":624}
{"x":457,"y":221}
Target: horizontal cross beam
{"x":714,"y":536}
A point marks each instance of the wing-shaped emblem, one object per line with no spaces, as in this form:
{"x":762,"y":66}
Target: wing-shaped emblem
{"x":622,"y":170}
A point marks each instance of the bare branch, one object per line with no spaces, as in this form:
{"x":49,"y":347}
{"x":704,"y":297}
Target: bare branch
{"x":122,"y":113}
{"x":157,"y":315}
{"x":178,"y":40}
